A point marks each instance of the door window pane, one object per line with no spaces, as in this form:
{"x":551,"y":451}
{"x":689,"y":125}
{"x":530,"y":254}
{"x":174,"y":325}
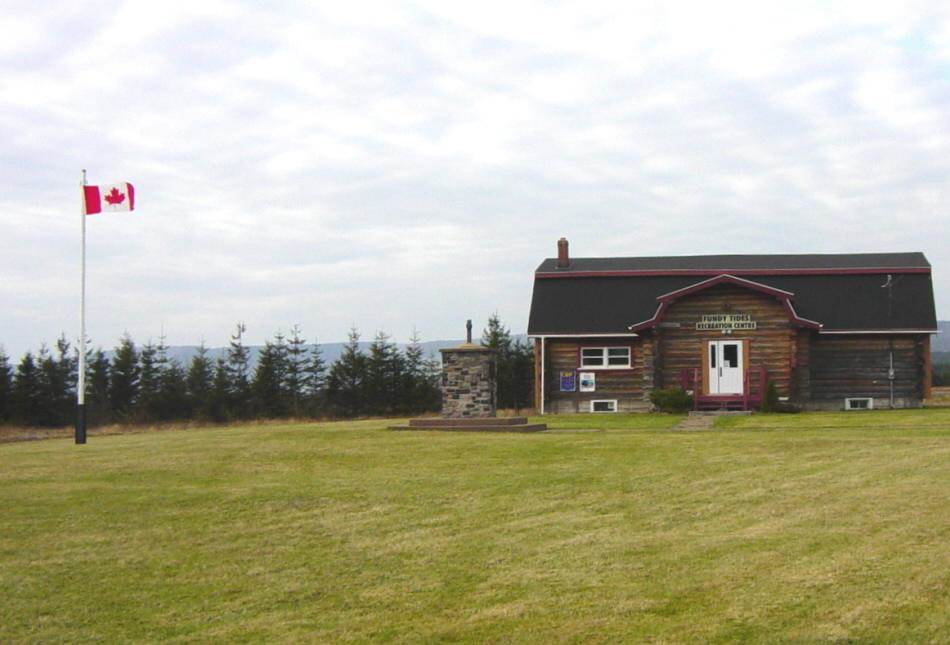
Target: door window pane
{"x":730,"y":355}
{"x":712,"y":355}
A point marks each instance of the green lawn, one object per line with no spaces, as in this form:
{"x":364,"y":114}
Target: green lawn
{"x":811,"y":527}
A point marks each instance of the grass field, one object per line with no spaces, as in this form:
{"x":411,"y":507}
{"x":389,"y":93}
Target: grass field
{"x":810,"y":527}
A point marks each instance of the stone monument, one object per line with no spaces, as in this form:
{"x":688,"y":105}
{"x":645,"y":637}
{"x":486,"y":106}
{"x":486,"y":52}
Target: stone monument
{"x":469,"y":380}
{"x":469,"y":393}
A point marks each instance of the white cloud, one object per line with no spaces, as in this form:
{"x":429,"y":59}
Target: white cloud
{"x":397,"y":165}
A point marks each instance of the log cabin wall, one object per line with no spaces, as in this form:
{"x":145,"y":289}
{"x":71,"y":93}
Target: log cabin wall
{"x":848,"y":366}
{"x":772,"y":343}
{"x":624,"y":385}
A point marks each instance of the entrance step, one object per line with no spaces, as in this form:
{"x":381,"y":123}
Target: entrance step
{"x":489,"y":424}
{"x":718,"y":412}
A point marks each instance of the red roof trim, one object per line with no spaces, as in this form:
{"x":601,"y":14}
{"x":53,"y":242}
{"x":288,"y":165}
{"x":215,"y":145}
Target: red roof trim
{"x":646,"y":273}
{"x":730,"y":279}
{"x":784,"y":297}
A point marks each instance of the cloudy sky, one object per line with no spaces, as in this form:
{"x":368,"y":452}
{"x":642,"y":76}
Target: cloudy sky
{"x":392,"y":165}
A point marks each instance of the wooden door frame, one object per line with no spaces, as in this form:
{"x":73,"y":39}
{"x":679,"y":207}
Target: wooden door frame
{"x":745,"y":363}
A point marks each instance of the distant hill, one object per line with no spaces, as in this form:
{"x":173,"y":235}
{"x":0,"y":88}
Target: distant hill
{"x":331,"y":351}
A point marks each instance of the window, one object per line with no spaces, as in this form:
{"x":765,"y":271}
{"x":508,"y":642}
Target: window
{"x":859,"y":404}
{"x":606,"y":357}
{"x":607,"y":405}
{"x":730,"y":355}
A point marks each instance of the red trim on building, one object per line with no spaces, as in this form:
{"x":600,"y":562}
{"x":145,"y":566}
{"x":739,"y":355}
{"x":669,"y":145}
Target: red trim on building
{"x":646,"y":273}
{"x":784,"y":297}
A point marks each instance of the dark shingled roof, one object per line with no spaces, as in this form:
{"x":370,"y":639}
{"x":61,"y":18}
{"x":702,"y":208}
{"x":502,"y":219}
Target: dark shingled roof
{"x":723,"y":263}
{"x":827,"y":293}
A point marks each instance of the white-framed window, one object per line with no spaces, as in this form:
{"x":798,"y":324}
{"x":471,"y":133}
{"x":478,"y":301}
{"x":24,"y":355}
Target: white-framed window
{"x":859,"y":403}
{"x":605,"y":357}
{"x":603,"y":405}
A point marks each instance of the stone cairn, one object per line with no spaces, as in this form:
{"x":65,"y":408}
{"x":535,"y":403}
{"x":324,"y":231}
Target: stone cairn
{"x":469,"y":393}
{"x":469,"y":383}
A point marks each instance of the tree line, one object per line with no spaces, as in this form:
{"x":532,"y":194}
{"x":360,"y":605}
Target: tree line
{"x":291,"y":379}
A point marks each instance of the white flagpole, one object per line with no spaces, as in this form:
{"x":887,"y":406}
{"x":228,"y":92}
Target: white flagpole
{"x":81,"y":386}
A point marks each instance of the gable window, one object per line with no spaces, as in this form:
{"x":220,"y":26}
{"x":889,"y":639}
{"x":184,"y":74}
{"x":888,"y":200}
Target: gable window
{"x":605,"y":357}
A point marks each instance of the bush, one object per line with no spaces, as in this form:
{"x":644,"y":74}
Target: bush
{"x":770,"y":401}
{"x":671,"y":399}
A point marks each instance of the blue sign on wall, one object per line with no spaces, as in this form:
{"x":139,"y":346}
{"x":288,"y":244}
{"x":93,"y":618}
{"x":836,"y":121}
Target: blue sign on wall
{"x":568,"y":381}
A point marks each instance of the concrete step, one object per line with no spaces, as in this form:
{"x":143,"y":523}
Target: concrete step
{"x":452,"y":427}
{"x":434,"y":422}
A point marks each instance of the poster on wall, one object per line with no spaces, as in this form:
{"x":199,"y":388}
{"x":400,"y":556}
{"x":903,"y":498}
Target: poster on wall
{"x":587,"y":381}
{"x":568,"y":379}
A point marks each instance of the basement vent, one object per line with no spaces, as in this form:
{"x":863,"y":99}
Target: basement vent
{"x":865,"y":403}
{"x":604,"y":405}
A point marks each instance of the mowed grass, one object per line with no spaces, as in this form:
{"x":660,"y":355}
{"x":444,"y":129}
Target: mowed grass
{"x":808,"y":527}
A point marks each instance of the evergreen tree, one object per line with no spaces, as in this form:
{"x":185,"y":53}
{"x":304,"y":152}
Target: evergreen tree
{"x":48,"y":387}
{"x":149,"y":382}
{"x":98,"y":405}
{"x":315,"y":384}
{"x":67,"y":374}
{"x":384,"y":372}
{"x":6,"y":386}
{"x":269,"y":377}
{"x":25,"y":393}
{"x":411,"y":392}
{"x":522,"y":375}
{"x":431,"y":385}
{"x":296,"y":378}
{"x":124,"y":381}
{"x":346,"y":381}
{"x":497,"y":336}
{"x":219,"y":407}
{"x":172,"y":392}
{"x":198,"y":384}
{"x":238,"y":367}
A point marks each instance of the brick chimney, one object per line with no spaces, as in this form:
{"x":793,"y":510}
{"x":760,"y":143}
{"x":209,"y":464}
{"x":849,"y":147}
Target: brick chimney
{"x":563,"y":259}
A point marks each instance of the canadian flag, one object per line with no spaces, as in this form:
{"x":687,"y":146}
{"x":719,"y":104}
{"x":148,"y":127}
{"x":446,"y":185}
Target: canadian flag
{"x":117,"y":197}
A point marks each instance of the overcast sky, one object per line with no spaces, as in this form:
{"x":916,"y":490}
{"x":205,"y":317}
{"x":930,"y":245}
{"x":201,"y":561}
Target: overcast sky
{"x":394,"y":165}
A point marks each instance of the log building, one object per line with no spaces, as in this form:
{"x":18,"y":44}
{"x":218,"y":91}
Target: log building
{"x":831,"y":332}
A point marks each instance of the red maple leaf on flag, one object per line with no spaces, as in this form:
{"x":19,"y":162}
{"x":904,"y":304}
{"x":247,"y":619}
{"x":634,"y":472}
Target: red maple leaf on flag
{"x":115,"y":197}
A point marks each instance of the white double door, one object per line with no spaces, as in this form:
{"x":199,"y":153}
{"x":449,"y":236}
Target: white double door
{"x":726,"y":365}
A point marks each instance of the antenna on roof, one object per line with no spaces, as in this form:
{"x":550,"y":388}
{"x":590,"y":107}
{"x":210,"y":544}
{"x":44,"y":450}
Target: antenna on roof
{"x":889,"y":285}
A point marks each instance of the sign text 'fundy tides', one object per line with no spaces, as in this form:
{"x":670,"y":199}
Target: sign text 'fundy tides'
{"x":725,"y":321}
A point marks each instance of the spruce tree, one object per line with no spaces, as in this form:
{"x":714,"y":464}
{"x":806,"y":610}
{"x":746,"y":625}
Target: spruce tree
{"x":149,"y":383}
{"x":6,"y":386}
{"x":220,"y":400}
{"x":497,"y":336}
{"x":346,"y":381}
{"x":412,"y":389}
{"x":384,"y":371}
{"x":198,"y":384}
{"x":67,"y":373}
{"x":296,"y":377}
{"x":238,"y":367}
{"x":98,"y":405}
{"x":269,"y":376}
{"x":315,"y":384}
{"x":124,"y":381}
{"x":522,"y":375}
{"x":25,"y":393}
{"x":48,"y":388}
{"x":172,"y":392}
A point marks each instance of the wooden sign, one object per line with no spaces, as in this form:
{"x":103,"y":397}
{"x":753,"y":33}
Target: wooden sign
{"x":726,"y":322}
